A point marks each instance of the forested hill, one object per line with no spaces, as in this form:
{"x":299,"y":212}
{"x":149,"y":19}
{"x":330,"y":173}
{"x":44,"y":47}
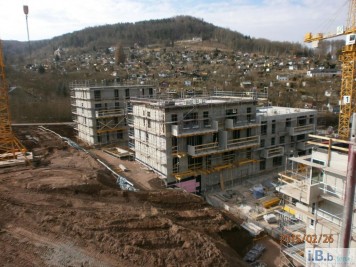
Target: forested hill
{"x":163,"y":31}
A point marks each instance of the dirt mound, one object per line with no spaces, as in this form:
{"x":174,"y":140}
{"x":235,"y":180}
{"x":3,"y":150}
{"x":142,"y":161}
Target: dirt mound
{"x":71,"y":213}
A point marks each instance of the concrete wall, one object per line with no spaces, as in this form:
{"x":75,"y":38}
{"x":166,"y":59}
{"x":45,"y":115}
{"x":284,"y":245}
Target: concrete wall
{"x":160,"y":133}
{"x":95,"y":129}
{"x":281,"y":135}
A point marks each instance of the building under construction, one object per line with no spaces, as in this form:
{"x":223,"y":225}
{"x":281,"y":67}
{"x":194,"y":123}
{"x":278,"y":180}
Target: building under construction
{"x":198,"y":143}
{"x":314,"y":191}
{"x":205,"y":143}
{"x":100,"y":110}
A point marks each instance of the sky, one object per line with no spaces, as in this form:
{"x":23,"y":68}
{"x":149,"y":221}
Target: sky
{"x":276,"y":20}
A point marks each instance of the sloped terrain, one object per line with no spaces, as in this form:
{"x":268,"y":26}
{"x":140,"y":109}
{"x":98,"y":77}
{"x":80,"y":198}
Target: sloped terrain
{"x":70,"y":213}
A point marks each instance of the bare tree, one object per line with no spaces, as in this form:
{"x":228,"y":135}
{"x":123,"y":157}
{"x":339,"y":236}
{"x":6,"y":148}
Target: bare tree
{"x":119,"y":54}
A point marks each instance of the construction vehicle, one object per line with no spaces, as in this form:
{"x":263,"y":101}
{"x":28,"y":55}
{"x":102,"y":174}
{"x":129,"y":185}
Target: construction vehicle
{"x":10,"y":146}
{"x":348,"y":60}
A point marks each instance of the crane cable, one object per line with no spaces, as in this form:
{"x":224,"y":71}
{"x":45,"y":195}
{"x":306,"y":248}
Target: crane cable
{"x":325,"y":25}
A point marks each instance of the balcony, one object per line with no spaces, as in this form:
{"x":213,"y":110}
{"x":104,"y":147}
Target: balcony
{"x":332,"y":193}
{"x":242,"y":143}
{"x":202,"y":150}
{"x":198,"y":128}
{"x":332,"y":219}
{"x":305,"y":129}
{"x":231,"y":124}
{"x":215,"y":148}
{"x":304,"y":145}
{"x":109,"y":113}
{"x":272,"y":152}
{"x":299,"y":186}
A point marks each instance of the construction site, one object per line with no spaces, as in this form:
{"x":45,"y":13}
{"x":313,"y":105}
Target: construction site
{"x":66,"y":204}
{"x":79,"y":204}
{"x":70,"y":211}
{"x":143,"y":177}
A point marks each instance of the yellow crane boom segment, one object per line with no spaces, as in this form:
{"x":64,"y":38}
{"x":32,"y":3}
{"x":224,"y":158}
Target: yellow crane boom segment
{"x":348,"y":60}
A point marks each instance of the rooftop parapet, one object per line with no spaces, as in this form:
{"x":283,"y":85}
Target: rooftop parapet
{"x":103,"y":83}
{"x":166,"y":101}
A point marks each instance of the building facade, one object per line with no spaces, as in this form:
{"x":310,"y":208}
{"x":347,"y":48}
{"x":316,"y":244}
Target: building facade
{"x":100,"y":110}
{"x":205,"y":143}
{"x":193,"y":143}
{"x":313,"y":189}
{"x":283,"y":133}
{"x":199,"y":143}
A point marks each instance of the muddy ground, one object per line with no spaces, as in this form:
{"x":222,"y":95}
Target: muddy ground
{"x":68,"y":211}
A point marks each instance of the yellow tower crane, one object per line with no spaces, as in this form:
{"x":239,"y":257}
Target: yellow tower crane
{"x":9,"y":144}
{"x":348,"y":60}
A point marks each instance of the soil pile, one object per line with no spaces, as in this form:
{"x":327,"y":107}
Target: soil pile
{"x":70,"y":213}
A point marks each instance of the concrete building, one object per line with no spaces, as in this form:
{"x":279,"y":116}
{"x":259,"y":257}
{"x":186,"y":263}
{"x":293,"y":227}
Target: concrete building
{"x":323,"y":73}
{"x":206,"y":143}
{"x":100,"y":110}
{"x":195,"y":142}
{"x":313,"y":188}
{"x":200,"y":143}
{"x":283,"y":133}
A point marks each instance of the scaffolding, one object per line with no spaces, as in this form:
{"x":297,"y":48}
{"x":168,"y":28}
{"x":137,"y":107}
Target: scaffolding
{"x":195,"y":148}
{"x":105,"y":114}
{"x":197,"y":169}
{"x":292,"y":230}
{"x":313,"y":196}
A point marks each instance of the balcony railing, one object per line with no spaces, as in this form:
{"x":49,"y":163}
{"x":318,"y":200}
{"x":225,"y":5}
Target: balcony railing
{"x":231,"y":124}
{"x":109,"y":113}
{"x":244,"y":142}
{"x":215,"y":147}
{"x":331,"y":217}
{"x":205,"y":149}
{"x":272,"y":152}
{"x":305,"y":129}
{"x":200,"y":127}
{"x":299,"y":186}
{"x":332,"y":193}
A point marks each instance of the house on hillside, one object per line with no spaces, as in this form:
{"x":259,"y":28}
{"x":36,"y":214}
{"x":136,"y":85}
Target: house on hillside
{"x":282,"y":78}
{"x":323,"y":73}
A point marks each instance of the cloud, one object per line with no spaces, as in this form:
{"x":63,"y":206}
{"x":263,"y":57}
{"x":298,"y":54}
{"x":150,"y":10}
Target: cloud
{"x":283,"y":20}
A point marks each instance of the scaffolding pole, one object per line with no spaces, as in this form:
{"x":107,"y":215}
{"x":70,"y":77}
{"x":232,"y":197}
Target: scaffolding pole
{"x":349,"y":192}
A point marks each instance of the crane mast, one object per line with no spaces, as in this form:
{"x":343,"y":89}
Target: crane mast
{"x":9,"y":144}
{"x":348,"y":60}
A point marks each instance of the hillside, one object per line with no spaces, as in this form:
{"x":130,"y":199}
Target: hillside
{"x":164,"y":32}
{"x":176,"y":54}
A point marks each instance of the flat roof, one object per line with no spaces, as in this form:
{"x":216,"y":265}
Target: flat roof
{"x":192,"y":101}
{"x":104,"y":84}
{"x":274,"y":110}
